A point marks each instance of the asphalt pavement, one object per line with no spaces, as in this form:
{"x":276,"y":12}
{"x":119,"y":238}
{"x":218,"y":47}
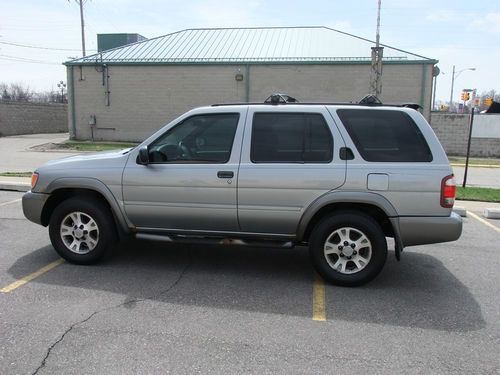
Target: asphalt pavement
{"x":155,"y":308}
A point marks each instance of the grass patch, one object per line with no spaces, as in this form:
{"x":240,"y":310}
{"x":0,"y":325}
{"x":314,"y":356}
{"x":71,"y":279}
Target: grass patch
{"x":478,"y":194}
{"x":96,"y":146}
{"x":15,"y":174}
{"x":475,"y":161}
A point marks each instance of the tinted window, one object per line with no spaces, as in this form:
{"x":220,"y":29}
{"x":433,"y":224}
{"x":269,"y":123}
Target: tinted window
{"x":290,"y":138}
{"x":198,"y":139}
{"x":389,"y":136}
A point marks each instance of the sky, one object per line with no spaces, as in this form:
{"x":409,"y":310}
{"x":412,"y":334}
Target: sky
{"x":459,"y":32}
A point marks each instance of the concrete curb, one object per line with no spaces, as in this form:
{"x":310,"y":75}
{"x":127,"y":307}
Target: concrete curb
{"x":475,"y":165}
{"x":459,"y":210}
{"x":14,"y":186}
{"x":491,"y":213}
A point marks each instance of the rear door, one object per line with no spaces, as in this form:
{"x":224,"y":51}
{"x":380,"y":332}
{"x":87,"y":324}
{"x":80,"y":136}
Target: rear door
{"x":290,"y":157}
{"x":397,"y":156}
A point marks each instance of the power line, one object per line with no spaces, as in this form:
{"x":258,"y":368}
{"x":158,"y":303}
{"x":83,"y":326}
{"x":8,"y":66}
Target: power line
{"x":26,"y":60}
{"x":39,"y":47}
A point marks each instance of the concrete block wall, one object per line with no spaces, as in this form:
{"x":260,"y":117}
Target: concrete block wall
{"x":145,"y":97}
{"x":453,"y":131}
{"x":342,"y":83}
{"x":31,"y":118}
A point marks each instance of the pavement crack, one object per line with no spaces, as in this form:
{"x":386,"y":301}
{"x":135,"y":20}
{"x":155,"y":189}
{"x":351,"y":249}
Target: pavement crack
{"x":61,"y":338}
{"x":132,"y":301}
{"x":164,"y":291}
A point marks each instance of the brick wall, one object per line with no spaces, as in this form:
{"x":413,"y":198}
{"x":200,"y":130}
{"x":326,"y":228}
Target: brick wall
{"x":30,"y":118}
{"x":453,"y":131}
{"x":143,"y":98}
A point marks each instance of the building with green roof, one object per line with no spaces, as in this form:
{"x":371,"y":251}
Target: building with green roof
{"x":127,"y":92}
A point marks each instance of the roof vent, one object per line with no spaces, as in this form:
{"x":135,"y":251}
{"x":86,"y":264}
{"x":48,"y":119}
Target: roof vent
{"x":280,"y":99}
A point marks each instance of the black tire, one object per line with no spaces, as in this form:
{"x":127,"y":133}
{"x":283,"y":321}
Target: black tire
{"x":103,"y":238}
{"x":363,"y":271}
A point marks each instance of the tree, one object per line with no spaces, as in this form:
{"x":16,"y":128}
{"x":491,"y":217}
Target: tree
{"x":5,"y":95}
{"x":493,"y":94}
{"x":18,"y":92}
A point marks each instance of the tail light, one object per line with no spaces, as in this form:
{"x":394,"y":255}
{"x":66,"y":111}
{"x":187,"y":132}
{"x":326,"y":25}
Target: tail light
{"x":448,"y":191}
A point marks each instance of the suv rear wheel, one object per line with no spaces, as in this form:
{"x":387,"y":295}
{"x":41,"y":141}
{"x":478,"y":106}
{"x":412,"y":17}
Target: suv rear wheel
{"x":348,"y":248}
{"x":81,"y":230}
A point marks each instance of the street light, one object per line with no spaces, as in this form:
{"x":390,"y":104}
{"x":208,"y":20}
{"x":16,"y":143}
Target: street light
{"x":453,"y":76}
{"x":62,"y":86}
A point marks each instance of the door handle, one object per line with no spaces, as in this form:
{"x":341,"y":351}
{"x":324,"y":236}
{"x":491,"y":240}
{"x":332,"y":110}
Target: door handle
{"x":225,"y":174}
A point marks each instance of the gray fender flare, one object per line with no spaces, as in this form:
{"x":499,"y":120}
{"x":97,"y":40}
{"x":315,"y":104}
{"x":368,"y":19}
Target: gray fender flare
{"x":373,"y":199}
{"x":97,"y":186}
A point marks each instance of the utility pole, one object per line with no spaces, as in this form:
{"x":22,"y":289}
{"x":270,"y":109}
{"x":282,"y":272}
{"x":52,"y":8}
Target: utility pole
{"x":451,"y":93}
{"x":377,"y":54}
{"x":83,"y":27}
{"x":82,"y":24}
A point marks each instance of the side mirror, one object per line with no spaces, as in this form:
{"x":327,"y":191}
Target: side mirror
{"x":143,"y":157}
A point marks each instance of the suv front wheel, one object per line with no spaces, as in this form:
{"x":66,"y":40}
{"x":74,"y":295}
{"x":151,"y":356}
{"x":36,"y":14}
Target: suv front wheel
{"x":348,"y":248}
{"x":81,"y":230}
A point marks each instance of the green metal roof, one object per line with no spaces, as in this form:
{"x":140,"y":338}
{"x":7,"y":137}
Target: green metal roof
{"x":268,"y":45}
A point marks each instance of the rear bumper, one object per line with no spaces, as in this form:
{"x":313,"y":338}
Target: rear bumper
{"x":426,"y":230}
{"x":33,"y":204}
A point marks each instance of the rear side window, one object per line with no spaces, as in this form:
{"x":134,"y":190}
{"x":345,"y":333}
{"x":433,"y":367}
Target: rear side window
{"x":290,"y":138}
{"x":386,"y":136}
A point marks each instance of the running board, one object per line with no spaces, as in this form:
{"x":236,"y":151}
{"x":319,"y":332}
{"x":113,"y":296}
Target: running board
{"x":213,"y":240}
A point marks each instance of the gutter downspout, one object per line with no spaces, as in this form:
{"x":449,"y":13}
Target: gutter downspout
{"x":422,"y":91}
{"x":71,"y":103}
{"x":247,"y":83}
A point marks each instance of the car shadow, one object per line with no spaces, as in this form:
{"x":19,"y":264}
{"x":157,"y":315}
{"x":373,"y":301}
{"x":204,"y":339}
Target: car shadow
{"x":417,"y":292}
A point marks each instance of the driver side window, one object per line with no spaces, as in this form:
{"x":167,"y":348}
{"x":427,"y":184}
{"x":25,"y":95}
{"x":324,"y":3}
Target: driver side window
{"x":197,"y":139}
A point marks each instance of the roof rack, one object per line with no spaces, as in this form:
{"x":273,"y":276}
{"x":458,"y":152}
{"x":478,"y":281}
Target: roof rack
{"x":370,"y":100}
{"x":367,"y":101}
{"x":278,"y":98}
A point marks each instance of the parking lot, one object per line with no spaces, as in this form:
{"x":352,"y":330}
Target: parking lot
{"x":156,"y":308}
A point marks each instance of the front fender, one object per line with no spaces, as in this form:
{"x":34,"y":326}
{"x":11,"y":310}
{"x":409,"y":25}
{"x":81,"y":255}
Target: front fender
{"x":97,"y":186}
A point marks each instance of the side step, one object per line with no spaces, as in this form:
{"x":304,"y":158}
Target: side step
{"x":214,"y":240}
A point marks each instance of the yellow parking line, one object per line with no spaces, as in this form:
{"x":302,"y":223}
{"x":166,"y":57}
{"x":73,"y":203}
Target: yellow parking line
{"x":319,"y":313}
{"x":483,"y":221}
{"x":14,"y":201}
{"x":31,"y":276}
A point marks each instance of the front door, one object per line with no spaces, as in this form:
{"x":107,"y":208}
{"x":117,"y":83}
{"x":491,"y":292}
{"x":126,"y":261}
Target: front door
{"x":191,"y":181}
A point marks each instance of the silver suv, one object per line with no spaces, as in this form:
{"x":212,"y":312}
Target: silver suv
{"x":339,"y":178}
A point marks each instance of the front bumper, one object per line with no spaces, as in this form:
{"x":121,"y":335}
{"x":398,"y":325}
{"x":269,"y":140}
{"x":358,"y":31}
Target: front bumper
{"x":33,"y":204}
{"x":425,"y":230}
